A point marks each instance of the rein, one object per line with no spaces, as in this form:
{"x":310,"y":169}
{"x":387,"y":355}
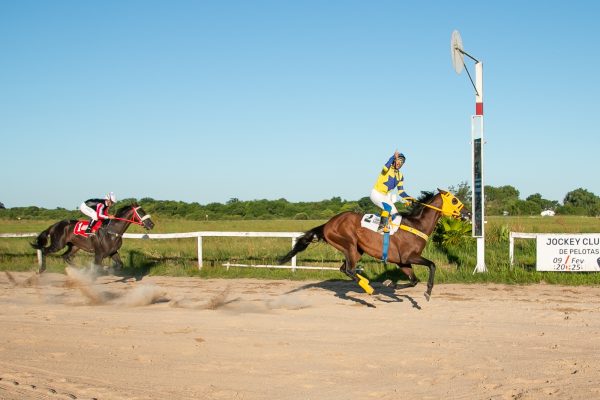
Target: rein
{"x":430,"y":206}
{"x":449,"y":208}
{"x":138,"y":221}
{"x":129,"y":220}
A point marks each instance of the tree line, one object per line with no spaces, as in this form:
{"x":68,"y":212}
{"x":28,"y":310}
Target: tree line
{"x":499,"y":201}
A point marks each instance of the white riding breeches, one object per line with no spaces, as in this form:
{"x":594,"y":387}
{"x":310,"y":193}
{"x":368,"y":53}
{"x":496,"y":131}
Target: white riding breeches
{"x":379,"y":198}
{"x":88,"y":211}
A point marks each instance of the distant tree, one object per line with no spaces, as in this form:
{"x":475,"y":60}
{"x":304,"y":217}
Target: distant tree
{"x":366,"y":205}
{"x":582,"y":202}
{"x":500,"y":199}
{"x":462,"y":191}
{"x":326,"y":214}
{"x":544,"y":204}
{"x":350,"y":206}
{"x":501,"y":193}
{"x":524,"y":207}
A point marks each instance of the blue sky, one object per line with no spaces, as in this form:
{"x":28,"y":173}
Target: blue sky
{"x":304,"y":100}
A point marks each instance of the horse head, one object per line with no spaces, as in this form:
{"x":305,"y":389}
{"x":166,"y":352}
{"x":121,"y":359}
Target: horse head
{"x":453,"y":207}
{"x":135,"y":214}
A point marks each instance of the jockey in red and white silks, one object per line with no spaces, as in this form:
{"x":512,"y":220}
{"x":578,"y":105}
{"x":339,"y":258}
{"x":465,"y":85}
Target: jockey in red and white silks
{"x":389,"y":179}
{"x":97,"y":209}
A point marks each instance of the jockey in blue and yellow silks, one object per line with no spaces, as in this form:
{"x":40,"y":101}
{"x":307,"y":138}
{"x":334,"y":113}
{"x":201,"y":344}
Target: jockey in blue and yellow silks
{"x":389,"y":179}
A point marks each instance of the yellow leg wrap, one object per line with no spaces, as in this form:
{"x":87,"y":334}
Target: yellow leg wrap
{"x":364,"y":284}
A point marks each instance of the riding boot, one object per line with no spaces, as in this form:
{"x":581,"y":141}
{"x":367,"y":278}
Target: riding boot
{"x":88,"y":230}
{"x":383,"y":220}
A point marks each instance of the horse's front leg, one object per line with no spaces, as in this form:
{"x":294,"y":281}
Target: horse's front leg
{"x":99,"y":253}
{"x":409,"y":272}
{"x":429,"y":264}
{"x":117,"y":263}
{"x":98,"y":260}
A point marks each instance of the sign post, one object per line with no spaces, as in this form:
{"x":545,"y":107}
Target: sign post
{"x":477,"y":142}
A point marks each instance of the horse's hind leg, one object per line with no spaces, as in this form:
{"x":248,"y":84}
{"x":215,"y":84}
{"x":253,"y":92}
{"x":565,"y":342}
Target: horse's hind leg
{"x":55,"y":245}
{"x":349,"y":268}
{"x":71,"y":249}
{"x":349,"y":265}
{"x":41,"y":261}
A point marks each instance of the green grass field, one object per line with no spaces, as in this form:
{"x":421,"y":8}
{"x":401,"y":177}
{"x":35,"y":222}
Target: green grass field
{"x":178,"y":257}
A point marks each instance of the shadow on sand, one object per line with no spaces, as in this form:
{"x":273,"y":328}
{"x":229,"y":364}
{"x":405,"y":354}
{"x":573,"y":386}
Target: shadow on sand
{"x":350,"y":291}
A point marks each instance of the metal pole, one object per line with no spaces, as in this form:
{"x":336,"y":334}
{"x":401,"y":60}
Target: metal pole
{"x":478,"y":181}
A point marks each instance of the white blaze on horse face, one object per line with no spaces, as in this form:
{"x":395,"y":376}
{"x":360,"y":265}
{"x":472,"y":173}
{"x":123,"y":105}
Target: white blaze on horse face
{"x":142,"y":219}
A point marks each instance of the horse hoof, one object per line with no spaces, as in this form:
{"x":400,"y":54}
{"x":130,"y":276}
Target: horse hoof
{"x":388,"y":283}
{"x":427,"y":296}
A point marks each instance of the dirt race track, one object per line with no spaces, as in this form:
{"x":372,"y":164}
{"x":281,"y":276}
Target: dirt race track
{"x":72,"y":337}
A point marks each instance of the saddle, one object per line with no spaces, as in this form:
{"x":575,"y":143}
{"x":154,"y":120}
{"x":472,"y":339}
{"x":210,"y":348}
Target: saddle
{"x":81,"y":226}
{"x":371,"y":222}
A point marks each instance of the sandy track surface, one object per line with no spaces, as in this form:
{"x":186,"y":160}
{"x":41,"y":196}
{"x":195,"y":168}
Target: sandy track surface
{"x":76,"y":337}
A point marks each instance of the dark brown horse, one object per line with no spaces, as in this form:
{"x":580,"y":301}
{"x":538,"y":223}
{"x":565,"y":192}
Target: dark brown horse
{"x":345,"y":233}
{"x":106,"y":242}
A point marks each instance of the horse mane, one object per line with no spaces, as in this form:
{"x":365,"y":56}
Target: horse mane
{"x":417,"y":207}
{"x":125,"y":208}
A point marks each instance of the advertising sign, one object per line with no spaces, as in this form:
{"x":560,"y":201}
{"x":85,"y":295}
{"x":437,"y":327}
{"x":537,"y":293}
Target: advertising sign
{"x":568,"y":252}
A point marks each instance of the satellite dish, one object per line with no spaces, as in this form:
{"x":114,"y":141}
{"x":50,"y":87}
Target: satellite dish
{"x":456,"y":51}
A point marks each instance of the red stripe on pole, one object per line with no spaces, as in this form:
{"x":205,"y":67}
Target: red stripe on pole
{"x":478,"y":108}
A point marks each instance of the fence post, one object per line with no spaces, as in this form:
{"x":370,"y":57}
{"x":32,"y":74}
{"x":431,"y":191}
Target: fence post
{"x":199,"y":252}
{"x":40,"y":260}
{"x":293,"y":258}
{"x":511,"y":248}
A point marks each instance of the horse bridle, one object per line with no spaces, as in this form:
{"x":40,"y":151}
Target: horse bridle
{"x":137,"y":219}
{"x":450,"y":210}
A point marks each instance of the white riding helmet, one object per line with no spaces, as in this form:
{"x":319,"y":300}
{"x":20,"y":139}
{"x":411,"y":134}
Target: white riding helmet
{"x":111,"y":196}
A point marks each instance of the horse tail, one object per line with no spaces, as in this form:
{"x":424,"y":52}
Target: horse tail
{"x":314,"y":235}
{"x":54,"y":231}
{"x":41,"y":240}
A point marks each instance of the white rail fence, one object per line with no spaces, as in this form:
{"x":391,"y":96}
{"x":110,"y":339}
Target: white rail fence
{"x":200,"y":236}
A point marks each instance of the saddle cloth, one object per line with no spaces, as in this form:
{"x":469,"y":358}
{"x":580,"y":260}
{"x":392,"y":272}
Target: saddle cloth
{"x":81,"y":226}
{"x":371,"y":222}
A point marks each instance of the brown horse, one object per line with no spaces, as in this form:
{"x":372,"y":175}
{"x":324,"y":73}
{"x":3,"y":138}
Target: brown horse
{"x":106,"y":242}
{"x":344,"y":232}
